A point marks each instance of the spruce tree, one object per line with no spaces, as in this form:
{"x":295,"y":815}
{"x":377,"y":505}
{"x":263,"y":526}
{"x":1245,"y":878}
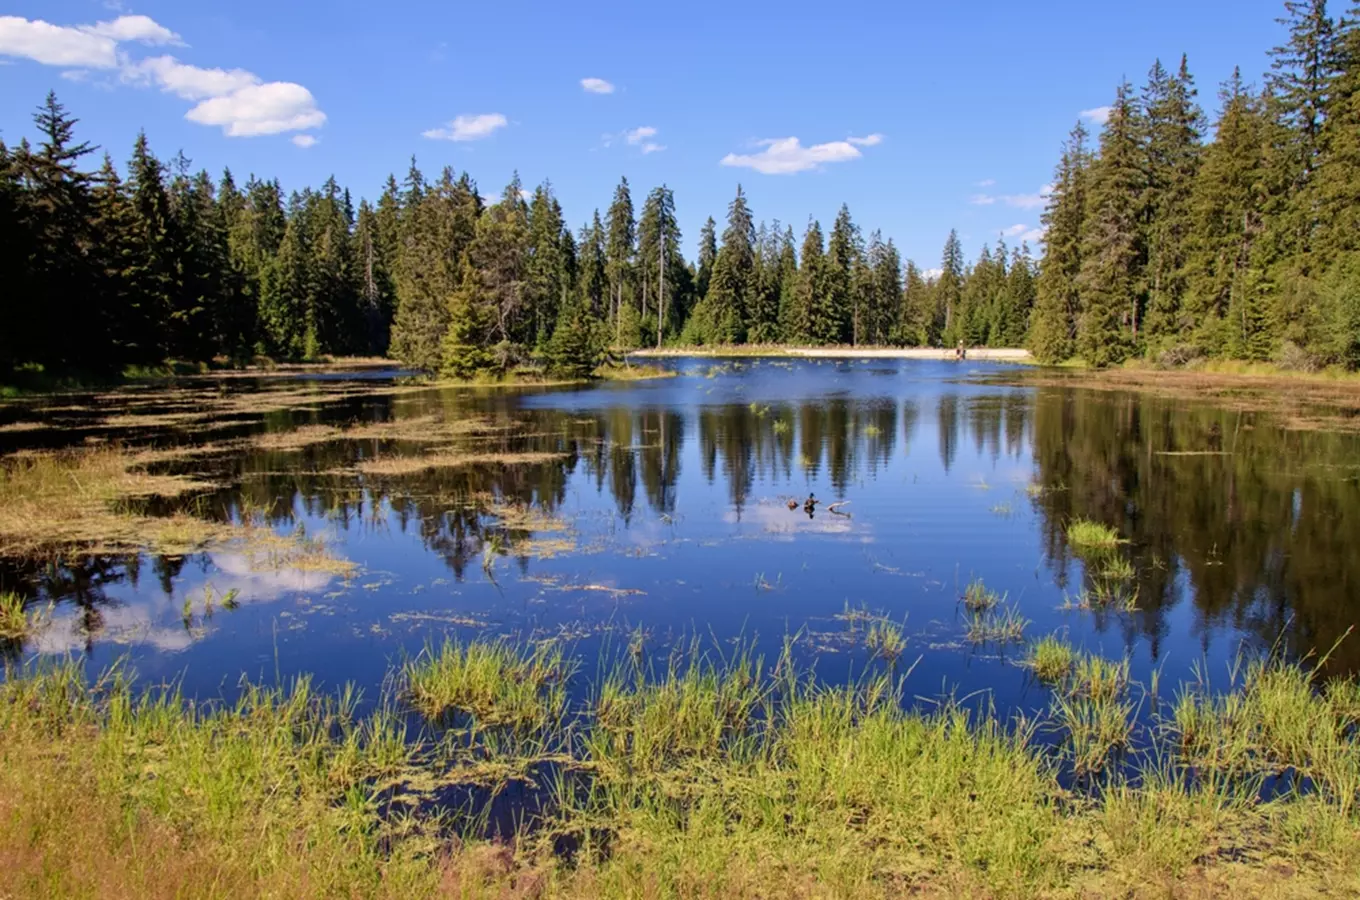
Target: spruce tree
{"x":1226,"y":216}
{"x":1112,"y":249}
{"x":464,"y":349}
{"x":843,"y":250}
{"x":1174,"y":131}
{"x":948,"y":290}
{"x":620,"y":246}
{"x":809,"y":289}
{"x":708,"y":254}
{"x":918,"y":309}
{"x":1057,"y":305}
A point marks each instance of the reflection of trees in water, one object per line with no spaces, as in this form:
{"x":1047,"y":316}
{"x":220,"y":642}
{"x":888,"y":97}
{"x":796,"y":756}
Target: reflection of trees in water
{"x":1259,"y":524}
{"x":81,"y":583}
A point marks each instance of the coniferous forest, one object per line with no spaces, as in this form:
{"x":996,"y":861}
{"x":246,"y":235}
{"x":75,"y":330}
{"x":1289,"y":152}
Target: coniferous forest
{"x":1165,"y":238}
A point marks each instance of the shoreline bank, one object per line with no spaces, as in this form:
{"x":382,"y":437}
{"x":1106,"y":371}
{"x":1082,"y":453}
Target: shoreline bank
{"x":987,"y":354}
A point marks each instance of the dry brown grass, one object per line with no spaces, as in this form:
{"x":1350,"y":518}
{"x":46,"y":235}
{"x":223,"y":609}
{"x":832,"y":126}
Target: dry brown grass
{"x":82,"y":502}
{"x":81,"y":499}
{"x":451,"y":459}
{"x":1302,"y":402}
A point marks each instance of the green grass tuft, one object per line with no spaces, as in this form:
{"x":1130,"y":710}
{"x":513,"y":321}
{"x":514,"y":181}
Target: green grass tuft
{"x":1051,"y":658}
{"x":997,"y":625}
{"x":979,"y":598}
{"x":886,"y":641}
{"x":495,"y":683}
{"x":1084,"y":534}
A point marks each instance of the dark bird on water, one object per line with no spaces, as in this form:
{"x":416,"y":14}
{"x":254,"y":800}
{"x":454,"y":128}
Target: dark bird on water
{"x":810,"y":504}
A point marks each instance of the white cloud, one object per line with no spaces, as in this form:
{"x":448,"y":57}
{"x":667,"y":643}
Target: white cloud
{"x":56,"y":45}
{"x":787,"y":156}
{"x":260,"y":109}
{"x":986,"y":183}
{"x":932,"y":274}
{"x":638,"y":135}
{"x":1029,"y":201}
{"x":1034,"y":235}
{"x":1100,"y":115}
{"x":1018,"y":201}
{"x":239,"y":102}
{"x":1014,"y":230}
{"x":189,"y":82}
{"x":597,"y":86}
{"x":650,"y":147}
{"x":468,"y":128}
{"x":871,"y":140}
{"x":304,"y":141}
{"x":135,"y":28}
{"x":91,"y":46}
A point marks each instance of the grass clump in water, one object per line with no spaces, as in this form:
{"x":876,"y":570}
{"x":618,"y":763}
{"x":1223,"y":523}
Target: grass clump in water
{"x":886,"y":641}
{"x":1051,"y":658}
{"x":1084,"y":534}
{"x":977,"y":597}
{"x":495,"y":683}
{"x":17,"y":623}
{"x":997,"y":625}
{"x":1097,"y":678}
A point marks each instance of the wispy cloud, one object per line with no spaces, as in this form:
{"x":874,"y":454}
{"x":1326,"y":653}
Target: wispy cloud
{"x":597,"y":86}
{"x":239,"y":102}
{"x":1100,"y":115}
{"x":1034,"y":235}
{"x":304,"y":141}
{"x":1014,"y":230}
{"x":788,"y":156}
{"x":932,"y":274}
{"x":1018,"y":201}
{"x":468,"y":127}
{"x":986,"y":183}
{"x":640,"y":137}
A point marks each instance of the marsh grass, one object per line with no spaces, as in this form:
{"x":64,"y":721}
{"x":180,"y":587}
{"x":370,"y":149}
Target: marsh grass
{"x":1096,"y":727}
{"x":977,"y":597}
{"x":19,"y":623}
{"x":713,"y":777}
{"x":495,"y":683}
{"x":886,"y":641}
{"x":453,"y":459}
{"x":1052,"y":659}
{"x":85,"y":499}
{"x":999,"y":625}
{"x":1097,"y":678}
{"x":1084,"y":534}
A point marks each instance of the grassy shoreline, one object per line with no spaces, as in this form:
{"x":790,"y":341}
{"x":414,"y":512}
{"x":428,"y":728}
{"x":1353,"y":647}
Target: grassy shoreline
{"x":700,"y":778}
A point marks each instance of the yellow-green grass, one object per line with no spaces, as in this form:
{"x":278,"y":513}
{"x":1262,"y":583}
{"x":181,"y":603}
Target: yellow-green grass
{"x":494,"y":683}
{"x":1084,"y":534}
{"x":886,"y":641}
{"x":996,"y":625}
{"x":714,"y":778}
{"x":1052,"y":659}
{"x":977,"y":597}
{"x":1098,"y":678}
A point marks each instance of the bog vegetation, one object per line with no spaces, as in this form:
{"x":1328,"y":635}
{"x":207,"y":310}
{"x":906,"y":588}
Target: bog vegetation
{"x":686,"y":775}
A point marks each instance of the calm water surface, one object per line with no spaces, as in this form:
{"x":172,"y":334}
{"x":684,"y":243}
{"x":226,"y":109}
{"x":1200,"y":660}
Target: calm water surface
{"x":673,"y":499}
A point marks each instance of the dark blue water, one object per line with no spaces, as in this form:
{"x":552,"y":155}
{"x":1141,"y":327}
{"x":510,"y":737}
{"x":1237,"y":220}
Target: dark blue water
{"x":671,"y":500}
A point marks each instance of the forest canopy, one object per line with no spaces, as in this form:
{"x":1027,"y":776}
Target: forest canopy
{"x":1165,"y":238}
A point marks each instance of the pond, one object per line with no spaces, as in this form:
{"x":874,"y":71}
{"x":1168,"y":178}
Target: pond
{"x":661,"y":507}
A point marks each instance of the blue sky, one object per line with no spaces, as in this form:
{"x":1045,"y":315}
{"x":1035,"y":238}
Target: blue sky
{"x":956,"y":110}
